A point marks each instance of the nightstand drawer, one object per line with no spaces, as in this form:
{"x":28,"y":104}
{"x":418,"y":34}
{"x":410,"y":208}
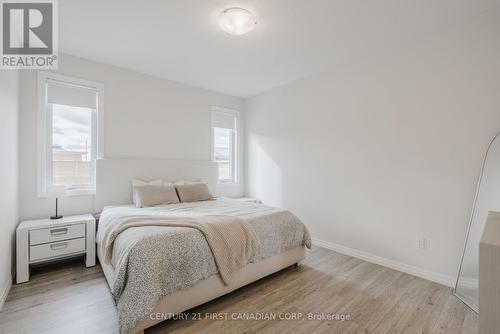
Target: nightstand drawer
{"x":56,"y":249}
{"x":52,"y":234}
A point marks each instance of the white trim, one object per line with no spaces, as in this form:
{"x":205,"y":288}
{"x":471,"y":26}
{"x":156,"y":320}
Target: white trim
{"x":469,"y":283}
{"x":237,"y":149}
{"x":44,"y":77}
{"x":41,"y":134}
{"x":393,"y":264}
{"x":5,"y":292}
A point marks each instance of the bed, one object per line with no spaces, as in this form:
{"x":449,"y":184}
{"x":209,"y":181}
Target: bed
{"x":155,"y":272}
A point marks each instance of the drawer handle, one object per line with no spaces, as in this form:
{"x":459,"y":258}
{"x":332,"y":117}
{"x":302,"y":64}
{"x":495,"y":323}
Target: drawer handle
{"x":59,"y":231}
{"x":60,"y":245}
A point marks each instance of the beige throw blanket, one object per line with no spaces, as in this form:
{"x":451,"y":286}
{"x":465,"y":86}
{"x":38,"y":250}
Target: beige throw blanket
{"x":231,"y":239}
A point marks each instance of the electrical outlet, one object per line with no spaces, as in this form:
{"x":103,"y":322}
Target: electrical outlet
{"x":421,"y":243}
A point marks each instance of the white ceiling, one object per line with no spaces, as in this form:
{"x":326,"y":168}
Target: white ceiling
{"x":181,"y":41}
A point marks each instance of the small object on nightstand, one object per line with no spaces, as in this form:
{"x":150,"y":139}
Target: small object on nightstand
{"x":249,"y":199}
{"x":56,"y":192}
{"x":45,"y":240}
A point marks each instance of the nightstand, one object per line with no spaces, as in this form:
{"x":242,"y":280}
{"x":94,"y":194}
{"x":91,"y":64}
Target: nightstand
{"x":45,"y":240}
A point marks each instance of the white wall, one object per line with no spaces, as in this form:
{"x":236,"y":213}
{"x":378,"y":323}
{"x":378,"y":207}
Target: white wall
{"x":144,"y":117}
{"x":9,"y":107}
{"x":385,"y":149}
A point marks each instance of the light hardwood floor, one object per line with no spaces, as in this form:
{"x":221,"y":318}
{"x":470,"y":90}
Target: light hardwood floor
{"x":68,"y":298}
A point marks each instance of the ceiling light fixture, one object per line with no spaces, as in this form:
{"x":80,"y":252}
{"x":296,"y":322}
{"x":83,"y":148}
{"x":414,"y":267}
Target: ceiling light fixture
{"x":237,"y":21}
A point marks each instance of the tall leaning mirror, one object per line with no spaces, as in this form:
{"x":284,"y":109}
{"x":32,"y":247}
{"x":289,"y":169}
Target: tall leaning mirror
{"x":487,"y":199}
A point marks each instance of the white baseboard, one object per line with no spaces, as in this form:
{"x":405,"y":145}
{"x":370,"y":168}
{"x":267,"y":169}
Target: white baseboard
{"x":5,"y":293}
{"x":396,"y":265}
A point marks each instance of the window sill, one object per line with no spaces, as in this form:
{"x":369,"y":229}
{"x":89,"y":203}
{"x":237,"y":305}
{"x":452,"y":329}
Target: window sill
{"x":71,"y":193}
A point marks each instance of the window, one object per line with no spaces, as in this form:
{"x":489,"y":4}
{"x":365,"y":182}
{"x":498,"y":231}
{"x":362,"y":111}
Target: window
{"x":224,"y":143}
{"x":68,"y":120}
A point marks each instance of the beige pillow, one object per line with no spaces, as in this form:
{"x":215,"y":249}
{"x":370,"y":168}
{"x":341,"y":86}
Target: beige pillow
{"x":151,"y":195}
{"x":193,"y":192}
{"x":182,"y":182}
{"x":138,"y":183}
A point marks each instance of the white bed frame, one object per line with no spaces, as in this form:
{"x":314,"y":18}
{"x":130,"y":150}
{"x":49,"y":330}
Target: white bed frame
{"x":113,"y":187}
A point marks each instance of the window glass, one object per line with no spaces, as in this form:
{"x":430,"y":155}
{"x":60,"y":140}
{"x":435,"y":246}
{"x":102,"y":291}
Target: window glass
{"x":71,"y":146}
{"x":223,"y":152}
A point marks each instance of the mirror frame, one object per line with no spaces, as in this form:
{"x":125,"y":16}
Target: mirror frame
{"x":471,"y":219}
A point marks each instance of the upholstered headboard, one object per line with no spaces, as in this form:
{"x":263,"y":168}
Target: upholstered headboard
{"x":113,"y":176}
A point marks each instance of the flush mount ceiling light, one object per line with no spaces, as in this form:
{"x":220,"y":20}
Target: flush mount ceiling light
{"x":236,"y":21}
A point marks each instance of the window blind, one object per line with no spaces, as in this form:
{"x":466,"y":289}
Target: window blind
{"x":224,"y":120}
{"x":71,"y":95}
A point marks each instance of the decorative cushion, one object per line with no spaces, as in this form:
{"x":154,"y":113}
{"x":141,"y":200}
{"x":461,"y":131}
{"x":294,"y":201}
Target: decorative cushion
{"x":151,"y":195}
{"x":193,"y":192}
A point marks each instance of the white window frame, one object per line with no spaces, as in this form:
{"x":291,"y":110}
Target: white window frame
{"x":44,"y":129}
{"x":236,"y":145}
